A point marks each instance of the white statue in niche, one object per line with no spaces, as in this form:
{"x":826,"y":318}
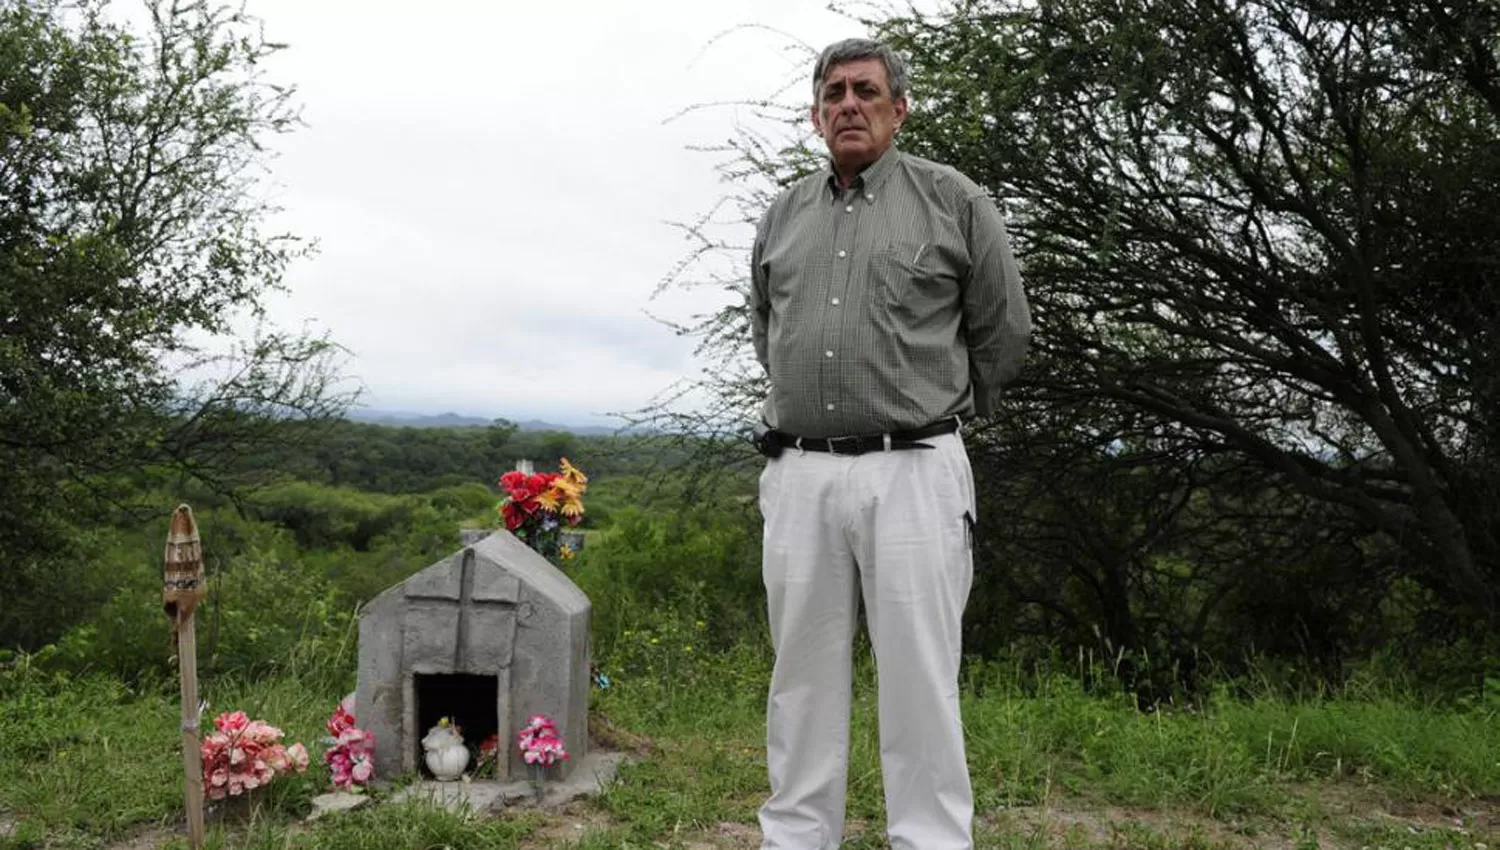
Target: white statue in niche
{"x":446,"y":755}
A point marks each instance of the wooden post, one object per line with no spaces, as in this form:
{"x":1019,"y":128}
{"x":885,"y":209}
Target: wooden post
{"x":182,"y":589}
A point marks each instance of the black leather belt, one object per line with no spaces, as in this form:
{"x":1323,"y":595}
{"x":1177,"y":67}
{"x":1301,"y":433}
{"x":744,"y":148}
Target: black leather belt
{"x":774,"y":441}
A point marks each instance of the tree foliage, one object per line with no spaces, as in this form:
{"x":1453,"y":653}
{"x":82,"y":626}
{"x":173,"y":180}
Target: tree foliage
{"x":1263,"y":405}
{"x":132,"y":223}
{"x":1259,"y":231}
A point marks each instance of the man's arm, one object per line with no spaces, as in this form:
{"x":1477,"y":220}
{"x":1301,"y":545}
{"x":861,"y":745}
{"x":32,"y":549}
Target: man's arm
{"x":997,"y":320}
{"x":760,"y":297}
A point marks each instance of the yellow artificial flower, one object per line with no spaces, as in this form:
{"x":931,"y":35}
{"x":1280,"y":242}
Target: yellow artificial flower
{"x":562,"y":488}
{"x":566,"y":552}
{"x":548,"y":499}
{"x":572,"y":508}
{"x":573,"y":475}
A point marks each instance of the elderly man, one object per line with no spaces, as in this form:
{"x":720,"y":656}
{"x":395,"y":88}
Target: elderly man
{"x":886,"y":307}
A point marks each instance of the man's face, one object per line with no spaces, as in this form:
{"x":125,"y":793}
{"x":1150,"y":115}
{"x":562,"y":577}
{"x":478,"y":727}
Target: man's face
{"x":856,"y":114}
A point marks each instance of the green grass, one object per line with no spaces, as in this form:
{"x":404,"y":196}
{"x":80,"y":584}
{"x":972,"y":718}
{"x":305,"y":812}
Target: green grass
{"x":88,"y":755}
{"x":88,"y":762}
{"x":1417,"y":749}
{"x":390,"y":827}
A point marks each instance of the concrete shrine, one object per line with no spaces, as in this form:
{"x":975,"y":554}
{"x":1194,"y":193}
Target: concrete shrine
{"x":487,"y":637}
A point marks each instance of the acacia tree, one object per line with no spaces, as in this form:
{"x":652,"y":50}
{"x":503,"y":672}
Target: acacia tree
{"x":1259,"y":238}
{"x":1266,"y":223}
{"x":131,"y":222}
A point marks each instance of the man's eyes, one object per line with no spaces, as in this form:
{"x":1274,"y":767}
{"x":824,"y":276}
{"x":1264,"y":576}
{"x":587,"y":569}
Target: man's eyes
{"x":863,"y":92}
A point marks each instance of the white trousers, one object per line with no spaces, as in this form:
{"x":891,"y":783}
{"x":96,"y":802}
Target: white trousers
{"x":894,"y":526}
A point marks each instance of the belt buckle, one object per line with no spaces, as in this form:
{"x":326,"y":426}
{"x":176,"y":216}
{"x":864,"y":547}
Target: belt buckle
{"x":851,"y":442}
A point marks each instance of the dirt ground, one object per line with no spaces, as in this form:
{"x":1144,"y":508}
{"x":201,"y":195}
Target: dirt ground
{"x":1074,"y":823}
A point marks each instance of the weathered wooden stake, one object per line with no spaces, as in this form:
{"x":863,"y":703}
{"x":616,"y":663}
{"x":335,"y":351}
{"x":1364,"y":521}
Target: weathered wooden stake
{"x":182,"y":589}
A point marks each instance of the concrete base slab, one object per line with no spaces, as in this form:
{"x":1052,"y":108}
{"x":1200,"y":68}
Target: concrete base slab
{"x":339,"y":801}
{"x":483,"y":795}
{"x":477,"y":796}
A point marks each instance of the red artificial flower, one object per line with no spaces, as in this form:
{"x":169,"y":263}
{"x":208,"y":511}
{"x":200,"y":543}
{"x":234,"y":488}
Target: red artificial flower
{"x":513,"y":516}
{"x":512,"y":480}
{"x":341,"y":720}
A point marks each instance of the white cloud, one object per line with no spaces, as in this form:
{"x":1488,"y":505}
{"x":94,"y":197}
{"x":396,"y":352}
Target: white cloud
{"x":490,"y":185}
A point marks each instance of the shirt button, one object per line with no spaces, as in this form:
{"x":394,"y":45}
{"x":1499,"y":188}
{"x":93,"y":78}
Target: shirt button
{"x":843,"y":254}
{"x":834,"y":302}
{"x":828,"y":354}
{"x":870,"y":198}
{"x":849,"y":208}
{"x":830,"y":407}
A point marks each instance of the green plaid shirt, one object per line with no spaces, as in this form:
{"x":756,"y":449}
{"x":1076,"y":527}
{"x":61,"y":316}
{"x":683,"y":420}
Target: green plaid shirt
{"x":887,"y":306}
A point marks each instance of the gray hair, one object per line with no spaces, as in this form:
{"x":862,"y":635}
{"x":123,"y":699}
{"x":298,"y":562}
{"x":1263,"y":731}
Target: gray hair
{"x":854,"y":49}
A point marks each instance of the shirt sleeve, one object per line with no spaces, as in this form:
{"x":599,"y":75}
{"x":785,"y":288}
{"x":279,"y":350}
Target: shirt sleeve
{"x":760,"y":297}
{"x":996,"y":317}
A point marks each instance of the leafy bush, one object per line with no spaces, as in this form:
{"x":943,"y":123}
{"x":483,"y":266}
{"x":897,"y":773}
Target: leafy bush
{"x":324,"y":517}
{"x":702,"y":564}
{"x":263,"y":605}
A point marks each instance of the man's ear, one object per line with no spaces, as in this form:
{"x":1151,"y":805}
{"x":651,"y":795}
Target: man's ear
{"x":900,"y":106}
{"x":817,"y":119}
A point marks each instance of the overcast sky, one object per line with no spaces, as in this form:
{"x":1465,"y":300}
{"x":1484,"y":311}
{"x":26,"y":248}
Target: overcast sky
{"x":491,"y":185}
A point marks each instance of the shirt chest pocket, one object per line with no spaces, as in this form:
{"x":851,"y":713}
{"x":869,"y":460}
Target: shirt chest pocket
{"x":915,"y":281}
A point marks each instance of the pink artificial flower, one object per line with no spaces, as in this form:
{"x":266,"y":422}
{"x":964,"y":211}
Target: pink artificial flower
{"x":261,"y":732}
{"x":338,"y":765}
{"x":540,"y":742}
{"x":245,"y":754}
{"x":298,"y":756}
{"x":231,"y":721}
{"x":350,"y":755}
{"x":279,"y":758}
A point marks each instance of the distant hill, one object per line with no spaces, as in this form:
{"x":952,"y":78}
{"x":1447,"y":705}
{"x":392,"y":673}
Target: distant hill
{"x":415,"y":420}
{"x":580,"y":430}
{"x":401,"y":419}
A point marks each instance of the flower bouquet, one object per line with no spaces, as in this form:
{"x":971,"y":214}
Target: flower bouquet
{"x":536,"y":507}
{"x":350,"y":754}
{"x":487,"y":762}
{"x":243,"y":754}
{"x":541,"y":747}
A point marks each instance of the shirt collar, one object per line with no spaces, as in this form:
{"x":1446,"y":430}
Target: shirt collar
{"x":871,"y":178}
